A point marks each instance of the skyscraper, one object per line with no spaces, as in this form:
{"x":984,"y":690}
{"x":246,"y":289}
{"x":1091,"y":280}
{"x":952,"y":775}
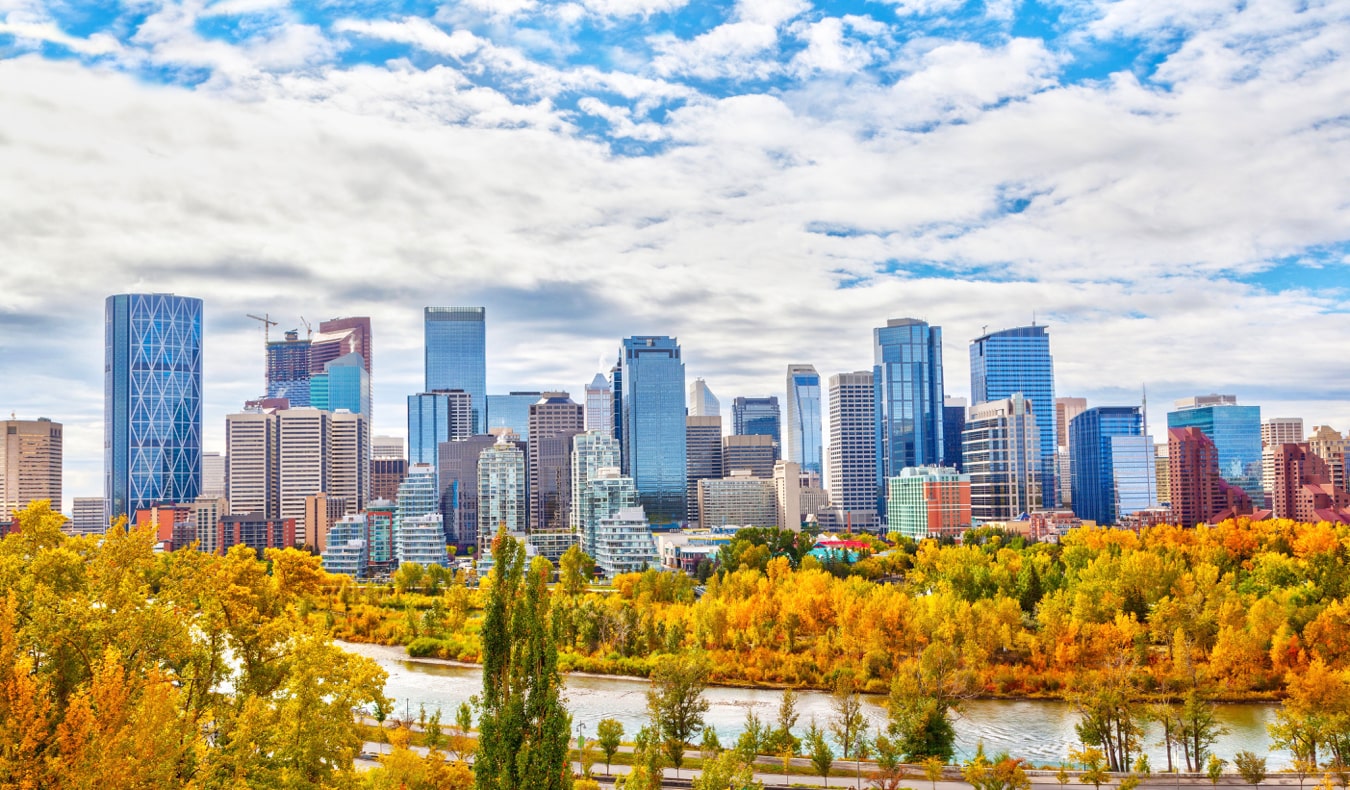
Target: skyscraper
{"x":554,"y":420}
{"x":1199,"y":492}
{"x":600,"y":405}
{"x":349,"y":461}
{"x":458,"y":468}
{"x":30,"y":464}
{"x":1065,"y":410}
{"x":456,"y":355}
{"x":1114,"y":473}
{"x":953,"y":425}
{"x":703,"y":457}
{"x":1236,"y":433}
{"x":435,"y":417}
{"x":907,"y":374}
{"x":1276,"y":431}
{"x":1018,"y":361}
{"x":757,"y":417}
{"x":853,"y":457}
{"x":288,"y":369}
{"x":754,"y":454}
{"x":802,"y":441}
{"x":512,"y":411}
{"x":1001,"y":448}
{"x":251,"y":484}
{"x":343,"y":384}
{"x":1303,"y":489}
{"x":501,"y":490}
{"x":338,"y":337}
{"x":213,"y":475}
{"x":702,"y":401}
{"x":152,"y":386}
{"x":653,"y":424}
{"x":304,"y":443}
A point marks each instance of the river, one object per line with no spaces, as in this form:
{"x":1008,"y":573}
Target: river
{"x":1039,"y":730}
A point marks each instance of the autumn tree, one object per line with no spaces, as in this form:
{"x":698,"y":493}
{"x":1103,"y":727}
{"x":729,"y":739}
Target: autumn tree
{"x":609,"y":734}
{"x":675,"y":702}
{"x":818,"y":749}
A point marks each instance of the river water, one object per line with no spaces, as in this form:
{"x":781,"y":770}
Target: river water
{"x":1039,"y":730}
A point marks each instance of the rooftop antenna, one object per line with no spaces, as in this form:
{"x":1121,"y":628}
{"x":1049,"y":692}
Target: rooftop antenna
{"x":1033,"y":317}
{"x":267,"y":322}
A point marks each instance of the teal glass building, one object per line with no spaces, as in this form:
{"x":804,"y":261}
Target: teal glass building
{"x":1018,"y":360}
{"x":653,"y":419}
{"x":152,"y":401}
{"x":456,"y":355}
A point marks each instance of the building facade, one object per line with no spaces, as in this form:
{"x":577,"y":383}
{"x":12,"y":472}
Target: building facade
{"x":456,"y":356}
{"x":1235,"y":431}
{"x":1303,"y":489}
{"x":435,"y":417}
{"x":624,"y":543}
{"x":1066,"y":409}
{"x":757,"y":417}
{"x":702,"y":401}
{"x":739,"y":499}
{"x":1114,"y":474}
{"x":1014,"y":361}
{"x":1199,"y":492}
{"x":652,"y":375}
{"x":1276,"y":431}
{"x":288,"y":369}
{"x":953,"y":425}
{"x":30,"y":464}
{"x":928,"y":501}
{"x":750,"y":452}
{"x":802,"y":442}
{"x":511,"y":412}
{"x":152,"y":388}
{"x":853,"y":456}
{"x":600,"y":405}
{"x":1001,"y":448}
{"x":907,"y":376}
{"x":459,"y":489}
{"x":502,"y":501}
{"x":1330,"y":446}
{"x":592,"y":451}
{"x":87,"y":516}
{"x":554,"y":420}
{"x":607,"y":492}
{"x":703,"y":456}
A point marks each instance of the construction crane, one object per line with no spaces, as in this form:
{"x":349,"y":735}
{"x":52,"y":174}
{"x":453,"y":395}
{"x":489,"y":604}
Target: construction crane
{"x":267,"y":323}
{"x":309,"y":331}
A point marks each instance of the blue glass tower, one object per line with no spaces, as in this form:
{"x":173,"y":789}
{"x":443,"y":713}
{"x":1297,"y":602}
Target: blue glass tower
{"x":152,"y":401}
{"x":1113,"y":469}
{"x":1235,"y":431}
{"x":756,"y":417}
{"x":456,"y":355}
{"x":511,"y":410}
{"x":907,"y":380}
{"x":802,"y":443}
{"x":435,"y":417}
{"x":1018,"y":360}
{"x":654,"y":425}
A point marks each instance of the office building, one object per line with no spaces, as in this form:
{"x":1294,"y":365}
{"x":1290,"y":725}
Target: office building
{"x":624,"y":543}
{"x":456,"y":356}
{"x":87,"y":516}
{"x":304,"y":443}
{"x":1200,"y":494}
{"x":787,"y":491}
{"x":1001,"y":451}
{"x":953,"y":425}
{"x":739,"y":500}
{"x":753,"y":453}
{"x":1235,"y":431}
{"x":607,"y":492}
{"x":652,"y":376}
{"x":420,"y":540}
{"x":386,"y":447}
{"x":255,"y":531}
{"x":853,"y":456}
{"x":907,"y":375}
{"x":1303,"y":489}
{"x":348,"y":550}
{"x":1330,"y":446}
{"x":435,"y":417}
{"x":757,"y":417}
{"x":339,"y":337}
{"x":702,"y":401}
{"x":554,"y":420}
{"x":511,"y":412}
{"x":1014,"y":361}
{"x":213,"y":475}
{"x":1065,"y":410}
{"x":591,"y":452}
{"x":386,"y":475}
{"x":1276,"y":431}
{"x":344,"y":384}
{"x":1114,"y":473}
{"x":703,"y":456}
{"x":928,"y":501}
{"x":600,"y":405}
{"x":152,"y":434}
{"x":502,"y":499}
{"x":802,"y":435}
{"x":459,"y":489}
{"x":288,"y":369}
{"x":252,"y":464}
{"x":30,"y":465}
{"x":1161,"y":473}
{"x":349,"y":461}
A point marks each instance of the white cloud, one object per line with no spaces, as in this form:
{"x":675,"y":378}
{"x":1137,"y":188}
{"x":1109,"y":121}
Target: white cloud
{"x":30,"y":31}
{"x":418,"y":32}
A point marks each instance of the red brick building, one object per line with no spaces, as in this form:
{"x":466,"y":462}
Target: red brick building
{"x":1304,"y":489}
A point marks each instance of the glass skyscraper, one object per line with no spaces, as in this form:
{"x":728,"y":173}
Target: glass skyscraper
{"x":756,"y":417}
{"x":435,"y":417}
{"x":152,"y":408}
{"x":653,"y":424}
{"x":1018,"y":360}
{"x":907,"y":377}
{"x":802,"y":442}
{"x":511,"y":410}
{"x":456,"y":355}
{"x":1236,"y":433}
{"x":1113,"y":469}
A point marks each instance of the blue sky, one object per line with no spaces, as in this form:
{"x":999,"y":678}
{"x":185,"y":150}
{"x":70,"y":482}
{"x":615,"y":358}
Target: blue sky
{"x":1168,"y":187}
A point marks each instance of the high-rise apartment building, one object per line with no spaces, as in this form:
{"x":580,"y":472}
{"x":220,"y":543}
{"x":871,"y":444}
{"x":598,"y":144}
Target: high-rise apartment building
{"x":1303,"y":489}
{"x":907,"y":375}
{"x":757,"y":417}
{"x":1235,"y":431}
{"x":752,"y":453}
{"x":553,"y":420}
{"x":1114,"y":473}
{"x":1330,"y":446}
{"x":703,"y":456}
{"x":456,"y":356}
{"x":418,"y":496}
{"x":1276,"y":431}
{"x":607,"y":492}
{"x":787,"y":489}
{"x":853,"y":456}
{"x":1018,"y":360}
{"x":1199,"y":492}
{"x":501,"y":490}
{"x":152,"y":408}
{"x":928,"y":501}
{"x":600,"y":405}
{"x":30,"y":465}
{"x":206,"y":514}
{"x":702,"y":401}
{"x":1001,"y":451}
{"x":652,"y":376}
{"x":591,"y":452}
{"x":802,"y":443}
{"x":435,"y":417}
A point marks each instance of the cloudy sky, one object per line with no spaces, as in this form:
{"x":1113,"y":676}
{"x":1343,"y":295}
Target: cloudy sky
{"x":1167,"y":185}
